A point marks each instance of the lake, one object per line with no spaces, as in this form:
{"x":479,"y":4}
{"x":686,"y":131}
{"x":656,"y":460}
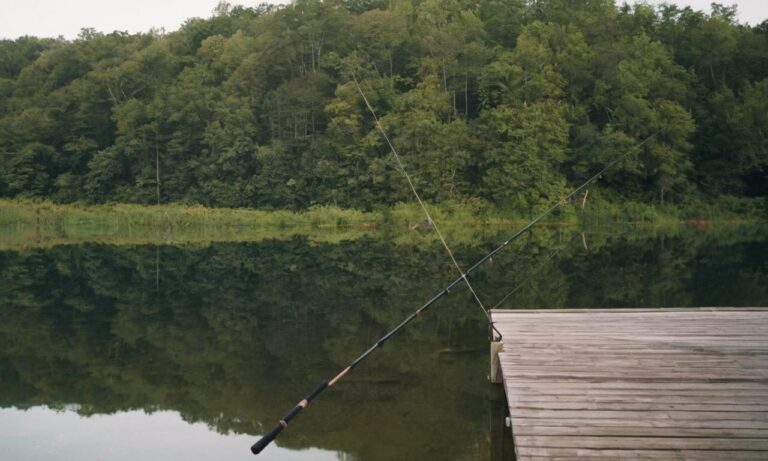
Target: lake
{"x":190,"y":351}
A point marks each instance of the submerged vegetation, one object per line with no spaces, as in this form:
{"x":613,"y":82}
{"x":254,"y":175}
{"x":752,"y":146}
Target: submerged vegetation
{"x":500,"y":104}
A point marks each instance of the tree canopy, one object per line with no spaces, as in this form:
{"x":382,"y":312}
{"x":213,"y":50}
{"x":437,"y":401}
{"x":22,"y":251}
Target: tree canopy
{"x":510,"y":101}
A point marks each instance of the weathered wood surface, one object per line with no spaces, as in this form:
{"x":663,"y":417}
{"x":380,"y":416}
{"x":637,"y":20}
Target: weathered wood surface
{"x":664,"y":384}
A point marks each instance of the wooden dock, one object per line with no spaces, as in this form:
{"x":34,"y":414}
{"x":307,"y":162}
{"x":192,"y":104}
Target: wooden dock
{"x":662,"y":384}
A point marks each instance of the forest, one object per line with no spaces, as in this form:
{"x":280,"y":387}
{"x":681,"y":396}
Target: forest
{"x":504,"y":102}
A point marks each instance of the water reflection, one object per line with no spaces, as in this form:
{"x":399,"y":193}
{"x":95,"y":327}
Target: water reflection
{"x":228,"y":336}
{"x":43,"y":434}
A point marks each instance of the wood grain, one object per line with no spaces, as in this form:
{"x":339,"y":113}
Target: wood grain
{"x":687,"y":384}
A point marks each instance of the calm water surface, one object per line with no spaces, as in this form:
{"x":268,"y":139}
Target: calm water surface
{"x":190,"y":352}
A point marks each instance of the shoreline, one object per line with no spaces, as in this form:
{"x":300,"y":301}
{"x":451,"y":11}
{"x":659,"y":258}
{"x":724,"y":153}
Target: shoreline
{"x":28,"y":224}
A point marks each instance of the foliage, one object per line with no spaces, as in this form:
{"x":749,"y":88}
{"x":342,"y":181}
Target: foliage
{"x":27,"y":223}
{"x":511,"y":102}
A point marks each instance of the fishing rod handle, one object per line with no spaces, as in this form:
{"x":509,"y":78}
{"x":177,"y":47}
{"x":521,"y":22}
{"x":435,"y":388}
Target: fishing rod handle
{"x":257,"y":447}
{"x":266,"y":440}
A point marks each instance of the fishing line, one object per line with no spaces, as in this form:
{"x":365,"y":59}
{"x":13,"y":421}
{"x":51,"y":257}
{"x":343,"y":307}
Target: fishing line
{"x":283,"y":423}
{"x":401,"y":166}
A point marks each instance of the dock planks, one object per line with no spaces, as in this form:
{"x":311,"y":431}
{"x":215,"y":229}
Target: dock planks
{"x":662,"y":384}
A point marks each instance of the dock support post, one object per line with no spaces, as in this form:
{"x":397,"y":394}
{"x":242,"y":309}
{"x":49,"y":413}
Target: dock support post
{"x":502,"y":446}
{"x":496,"y":347}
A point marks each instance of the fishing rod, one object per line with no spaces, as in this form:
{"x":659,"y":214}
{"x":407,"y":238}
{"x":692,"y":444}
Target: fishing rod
{"x":491,"y":328}
{"x":283,"y":423}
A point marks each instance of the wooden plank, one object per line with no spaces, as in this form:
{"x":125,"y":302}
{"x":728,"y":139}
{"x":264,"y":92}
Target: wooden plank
{"x":647,"y":454}
{"x":635,"y":397}
{"x":634,"y":431}
{"x":637,"y":384}
{"x":640,"y":443}
{"x":660,"y":310}
{"x":584,"y":385}
{"x":636,"y":415}
{"x":579,"y":389}
{"x":610,"y":371}
{"x":659,"y":423}
{"x":651,"y":405}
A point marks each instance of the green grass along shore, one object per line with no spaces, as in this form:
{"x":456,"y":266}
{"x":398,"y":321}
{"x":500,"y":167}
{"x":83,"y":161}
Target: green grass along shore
{"x":28,"y":223}
{"x":42,"y":212}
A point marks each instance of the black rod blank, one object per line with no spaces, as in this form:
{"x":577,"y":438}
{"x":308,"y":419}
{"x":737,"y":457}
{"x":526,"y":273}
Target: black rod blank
{"x":283,"y":423}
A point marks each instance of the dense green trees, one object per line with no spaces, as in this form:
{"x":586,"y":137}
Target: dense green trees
{"x":509,"y":101}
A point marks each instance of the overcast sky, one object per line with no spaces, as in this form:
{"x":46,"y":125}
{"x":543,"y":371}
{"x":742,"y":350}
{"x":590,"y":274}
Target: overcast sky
{"x":51,"y":18}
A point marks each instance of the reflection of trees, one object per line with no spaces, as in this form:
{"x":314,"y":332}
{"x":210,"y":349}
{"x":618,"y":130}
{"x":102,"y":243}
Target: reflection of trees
{"x":236,"y":333}
{"x":634,"y":269}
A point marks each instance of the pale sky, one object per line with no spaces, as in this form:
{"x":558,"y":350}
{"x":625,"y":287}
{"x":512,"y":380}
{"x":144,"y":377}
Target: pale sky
{"x":51,"y":18}
{"x":750,"y":11}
